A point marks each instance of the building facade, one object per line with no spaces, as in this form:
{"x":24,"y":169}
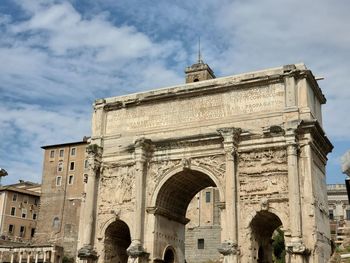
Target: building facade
{"x":19,"y":206}
{"x":64,"y":168}
{"x":203,"y":231}
{"x":339,"y":212}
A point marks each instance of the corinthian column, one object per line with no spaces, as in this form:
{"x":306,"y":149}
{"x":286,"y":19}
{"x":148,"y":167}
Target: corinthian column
{"x":229,"y":246}
{"x":295,"y":246}
{"x":87,"y":214}
{"x":143,"y":149}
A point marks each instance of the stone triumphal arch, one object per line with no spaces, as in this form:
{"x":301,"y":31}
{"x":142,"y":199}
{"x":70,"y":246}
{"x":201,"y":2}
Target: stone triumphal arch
{"x":257,"y":137}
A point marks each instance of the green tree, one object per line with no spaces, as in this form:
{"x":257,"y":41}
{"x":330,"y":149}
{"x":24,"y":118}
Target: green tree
{"x":279,"y":250}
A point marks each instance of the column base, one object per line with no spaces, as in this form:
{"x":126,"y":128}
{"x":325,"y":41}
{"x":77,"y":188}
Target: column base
{"x":136,"y":250}
{"x":296,"y":246}
{"x":87,"y":253}
{"x":228,"y":248}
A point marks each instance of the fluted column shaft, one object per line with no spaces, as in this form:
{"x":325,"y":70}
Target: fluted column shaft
{"x":294,"y":191}
{"x":88,"y":213}
{"x":143,"y":149}
{"x":295,"y":246}
{"x":229,"y":247}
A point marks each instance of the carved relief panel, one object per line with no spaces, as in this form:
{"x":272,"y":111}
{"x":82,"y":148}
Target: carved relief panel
{"x":117,"y":186}
{"x":263,"y":173}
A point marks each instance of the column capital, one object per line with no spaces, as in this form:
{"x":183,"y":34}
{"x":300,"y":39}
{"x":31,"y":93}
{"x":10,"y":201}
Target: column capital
{"x":94,"y":157}
{"x":143,"y":149}
{"x":94,"y":150}
{"x":231,"y":138}
{"x":292,"y":149}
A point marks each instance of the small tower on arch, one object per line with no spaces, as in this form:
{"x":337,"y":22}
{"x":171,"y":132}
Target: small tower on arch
{"x":199,"y":71}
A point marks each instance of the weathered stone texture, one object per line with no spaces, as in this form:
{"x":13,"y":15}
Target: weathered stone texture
{"x":257,"y":137}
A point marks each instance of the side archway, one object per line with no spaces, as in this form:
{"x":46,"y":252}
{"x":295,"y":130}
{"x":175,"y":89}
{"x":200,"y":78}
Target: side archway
{"x":169,"y":255}
{"x":263,"y":226}
{"x":117,"y":240}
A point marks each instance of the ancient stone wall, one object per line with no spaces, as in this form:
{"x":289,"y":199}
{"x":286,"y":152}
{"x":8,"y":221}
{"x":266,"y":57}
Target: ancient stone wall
{"x":253,"y":136}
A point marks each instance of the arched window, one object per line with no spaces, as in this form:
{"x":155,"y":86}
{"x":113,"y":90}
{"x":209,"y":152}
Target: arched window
{"x":56,"y":223}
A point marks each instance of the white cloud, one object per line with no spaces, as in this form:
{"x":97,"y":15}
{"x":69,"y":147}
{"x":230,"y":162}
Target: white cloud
{"x":58,"y":59}
{"x":25,"y":128}
{"x":67,"y":31}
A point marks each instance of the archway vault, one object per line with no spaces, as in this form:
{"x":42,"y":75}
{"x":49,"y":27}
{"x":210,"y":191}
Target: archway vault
{"x":176,"y":192}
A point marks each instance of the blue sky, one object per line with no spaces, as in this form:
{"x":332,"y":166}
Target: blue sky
{"x":57,"y":57}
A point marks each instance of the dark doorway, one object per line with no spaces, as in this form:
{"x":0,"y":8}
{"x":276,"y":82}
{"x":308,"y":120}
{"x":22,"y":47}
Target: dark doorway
{"x":169,"y":256}
{"x":265,"y":227}
{"x":117,"y":240}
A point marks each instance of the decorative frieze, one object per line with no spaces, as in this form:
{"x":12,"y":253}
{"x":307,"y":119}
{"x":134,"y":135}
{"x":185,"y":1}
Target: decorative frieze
{"x":261,"y":162}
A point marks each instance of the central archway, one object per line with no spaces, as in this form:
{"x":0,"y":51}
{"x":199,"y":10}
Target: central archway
{"x":172,"y":201}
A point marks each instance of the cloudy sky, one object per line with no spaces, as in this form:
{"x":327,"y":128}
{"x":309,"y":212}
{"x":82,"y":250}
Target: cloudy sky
{"x":57,"y":57}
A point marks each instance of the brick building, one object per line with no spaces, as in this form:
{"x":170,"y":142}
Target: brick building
{"x":19,"y":206}
{"x":64,"y":168}
{"x":202,"y":233}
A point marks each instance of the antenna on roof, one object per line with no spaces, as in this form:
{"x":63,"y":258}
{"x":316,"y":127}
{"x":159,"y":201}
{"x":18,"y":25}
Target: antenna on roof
{"x":199,"y":51}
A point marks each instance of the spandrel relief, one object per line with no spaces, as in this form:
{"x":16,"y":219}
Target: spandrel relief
{"x":156,"y":172}
{"x":118,"y":185}
{"x":215,"y":163}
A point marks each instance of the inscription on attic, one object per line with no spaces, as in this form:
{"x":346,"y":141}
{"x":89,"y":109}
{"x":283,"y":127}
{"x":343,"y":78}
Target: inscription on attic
{"x":209,"y":107}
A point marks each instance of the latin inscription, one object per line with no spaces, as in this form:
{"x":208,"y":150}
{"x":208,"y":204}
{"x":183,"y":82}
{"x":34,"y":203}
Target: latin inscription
{"x":207,"y":107}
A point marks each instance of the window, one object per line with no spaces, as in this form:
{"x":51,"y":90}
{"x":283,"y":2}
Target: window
{"x":200,"y":243}
{"x":60,"y":167}
{"x":13,"y":211}
{"x":56,"y":223}
{"x":86,"y":164}
{"x":85,"y":178}
{"x":52,"y":153}
{"x":331,"y":215}
{"x":70,"y":179}
{"x":347,"y":214}
{"x":32,"y":232}
{"x":71,"y":166}
{"x":61,"y":152}
{"x":14,"y":197}
{"x":73,"y":151}
{"x":24,"y":213}
{"x":36,"y":201}
{"x":34,"y":216}
{"x":58,"y":180}
{"x":25,"y":200}
{"x":207,"y":197}
{"x":11,"y":229}
{"x":22,"y":231}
